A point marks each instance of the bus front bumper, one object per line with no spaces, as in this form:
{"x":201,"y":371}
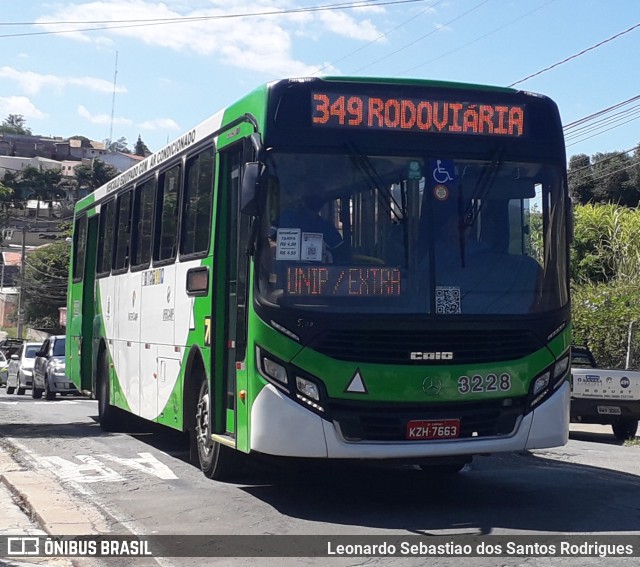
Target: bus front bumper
{"x":281,"y":427}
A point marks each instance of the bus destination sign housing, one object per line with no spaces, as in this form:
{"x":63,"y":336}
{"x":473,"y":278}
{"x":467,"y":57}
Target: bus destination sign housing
{"x":351,"y":111}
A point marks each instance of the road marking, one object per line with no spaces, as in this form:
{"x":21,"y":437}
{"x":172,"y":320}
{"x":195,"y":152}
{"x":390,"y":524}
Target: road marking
{"x":147,"y":463}
{"x":91,"y":471}
{"x":107,"y":508}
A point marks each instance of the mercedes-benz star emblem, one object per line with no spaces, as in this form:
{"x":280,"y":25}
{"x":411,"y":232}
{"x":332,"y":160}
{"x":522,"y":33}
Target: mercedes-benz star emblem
{"x":432,"y":386}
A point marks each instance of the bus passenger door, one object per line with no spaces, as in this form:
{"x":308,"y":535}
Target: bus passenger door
{"x":88,"y":311}
{"x":229,"y":297}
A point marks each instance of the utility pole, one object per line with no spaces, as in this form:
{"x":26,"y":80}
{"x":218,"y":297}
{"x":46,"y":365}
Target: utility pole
{"x":22,"y":263}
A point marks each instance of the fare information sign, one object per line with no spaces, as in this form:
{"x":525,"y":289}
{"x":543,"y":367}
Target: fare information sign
{"x":416,"y":115}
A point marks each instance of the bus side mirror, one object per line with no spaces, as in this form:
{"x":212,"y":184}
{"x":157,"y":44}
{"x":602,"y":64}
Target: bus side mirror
{"x":250,"y":189}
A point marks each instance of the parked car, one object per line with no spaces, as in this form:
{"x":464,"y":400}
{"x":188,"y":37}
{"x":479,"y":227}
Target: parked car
{"x":20,"y":370}
{"x":4,"y":363}
{"x":10,"y":346}
{"x":49,"y":370}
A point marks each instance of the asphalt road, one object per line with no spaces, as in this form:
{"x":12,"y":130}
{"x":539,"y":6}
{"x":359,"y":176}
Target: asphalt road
{"x":78,"y":480}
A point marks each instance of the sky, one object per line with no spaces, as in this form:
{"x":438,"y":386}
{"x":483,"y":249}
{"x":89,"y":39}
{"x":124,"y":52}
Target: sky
{"x":163,"y":67}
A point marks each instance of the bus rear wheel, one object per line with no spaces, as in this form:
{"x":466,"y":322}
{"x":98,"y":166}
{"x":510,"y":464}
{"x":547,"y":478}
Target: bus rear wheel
{"x":106,"y":412}
{"x":217,"y":461}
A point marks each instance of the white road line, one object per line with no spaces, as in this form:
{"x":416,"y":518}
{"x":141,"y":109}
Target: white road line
{"x":107,"y":508}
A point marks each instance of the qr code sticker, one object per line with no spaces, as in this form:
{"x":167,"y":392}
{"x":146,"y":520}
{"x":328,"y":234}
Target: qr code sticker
{"x":447,"y":300}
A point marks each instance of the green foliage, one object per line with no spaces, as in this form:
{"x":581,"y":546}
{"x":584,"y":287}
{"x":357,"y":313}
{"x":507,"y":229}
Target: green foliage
{"x":605,"y":273}
{"x":601,"y":315}
{"x":612,"y":177}
{"x":606,"y":244}
{"x":45,"y":284}
{"x":89,"y":177}
{"x":141,"y":148}
{"x":119,"y":145}
{"x":15,"y":124}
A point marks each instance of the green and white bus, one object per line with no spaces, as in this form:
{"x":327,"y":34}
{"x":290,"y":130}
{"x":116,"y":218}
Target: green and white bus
{"x":336,"y":268}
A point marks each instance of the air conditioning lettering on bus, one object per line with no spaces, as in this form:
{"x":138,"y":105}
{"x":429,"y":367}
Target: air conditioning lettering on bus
{"x":343,"y":281}
{"x":153,"y":160}
{"x":409,"y":114}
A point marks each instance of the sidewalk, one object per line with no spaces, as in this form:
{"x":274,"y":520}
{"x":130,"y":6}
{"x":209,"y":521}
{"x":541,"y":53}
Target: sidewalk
{"x":19,"y":490}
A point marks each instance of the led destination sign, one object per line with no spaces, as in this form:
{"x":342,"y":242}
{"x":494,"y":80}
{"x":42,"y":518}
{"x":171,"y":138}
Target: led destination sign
{"x":307,"y":281}
{"x":417,"y":115}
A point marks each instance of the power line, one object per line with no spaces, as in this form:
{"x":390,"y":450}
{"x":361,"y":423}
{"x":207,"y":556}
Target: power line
{"x":421,"y":37}
{"x":600,"y":112}
{"x":479,"y":38}
{"x":412,"y":18}
{"x":575,"y":56}
{"x":188,"y":19}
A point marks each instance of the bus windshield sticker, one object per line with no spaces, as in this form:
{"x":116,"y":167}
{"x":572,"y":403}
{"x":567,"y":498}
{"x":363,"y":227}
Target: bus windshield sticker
{"x":288,"y":244}
{"x":339,"y":110}
{"x":448,"y":300}
{"x":312,"y":246}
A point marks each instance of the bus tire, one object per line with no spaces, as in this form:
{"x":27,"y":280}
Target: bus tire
{"x":217,"y":461}
{"x":106,"y":412}
{"x":625,"y":429}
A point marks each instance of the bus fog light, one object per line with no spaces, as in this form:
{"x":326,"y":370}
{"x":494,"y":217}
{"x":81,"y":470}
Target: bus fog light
{"x":274,"y":370}
{"x":307,"y":388}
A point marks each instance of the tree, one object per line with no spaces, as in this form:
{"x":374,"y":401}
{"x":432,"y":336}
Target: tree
{"x":581,"y":182}
{"x":119,"y":145}
{"x":15,"y":124}
{"x":89,"y":177}
{"x":612,"y":177}
{"x":141,"y":148}
{"x":44,"y":285}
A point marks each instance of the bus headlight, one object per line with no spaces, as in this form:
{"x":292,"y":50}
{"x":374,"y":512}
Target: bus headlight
{"x":275,"y":370}
{"x":549,"y":380}
{"x":272,"y":370}
{"x":309,"y":393}
{"x":307,"y":388}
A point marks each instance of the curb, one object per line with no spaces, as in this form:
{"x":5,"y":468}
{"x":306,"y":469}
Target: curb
{"x":45,"y":500}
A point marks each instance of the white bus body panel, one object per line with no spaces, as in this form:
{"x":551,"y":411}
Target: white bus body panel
{"x":280,"y":426}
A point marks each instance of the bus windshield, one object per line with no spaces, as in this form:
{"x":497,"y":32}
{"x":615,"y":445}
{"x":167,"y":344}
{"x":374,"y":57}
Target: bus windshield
{"x":415,"y":234}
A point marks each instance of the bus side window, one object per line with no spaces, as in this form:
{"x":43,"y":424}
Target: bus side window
{"x":167,"y":216}
{"x":198,"y":196}
{"x":141,"y":239}
{"x":123,"y":233}
{"x":105,"y":237}
{"x":79,"y":248}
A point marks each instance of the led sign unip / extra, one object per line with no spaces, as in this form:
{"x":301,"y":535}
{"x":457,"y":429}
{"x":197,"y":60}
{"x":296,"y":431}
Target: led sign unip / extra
{"x":361,"y":281}
{"x":416,"y":115}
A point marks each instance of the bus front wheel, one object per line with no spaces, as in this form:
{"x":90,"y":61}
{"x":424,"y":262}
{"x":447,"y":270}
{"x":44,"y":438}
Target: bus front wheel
{"x":217,"y":461}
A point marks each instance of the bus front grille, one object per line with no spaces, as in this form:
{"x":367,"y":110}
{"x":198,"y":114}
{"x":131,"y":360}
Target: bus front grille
{"x":389,"y":423}
{"x":397,"y":346}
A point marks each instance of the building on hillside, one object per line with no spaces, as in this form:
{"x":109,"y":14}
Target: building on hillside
{"x":120,"y":160}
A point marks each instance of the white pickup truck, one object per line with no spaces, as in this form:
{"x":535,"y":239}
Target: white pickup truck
{"x":604,"y":396}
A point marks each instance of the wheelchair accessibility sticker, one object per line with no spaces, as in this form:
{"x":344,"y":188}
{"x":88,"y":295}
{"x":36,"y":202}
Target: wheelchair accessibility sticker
{"x":443,"y":171}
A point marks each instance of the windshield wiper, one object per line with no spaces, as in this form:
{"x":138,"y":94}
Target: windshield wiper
{"x":468,"y":217}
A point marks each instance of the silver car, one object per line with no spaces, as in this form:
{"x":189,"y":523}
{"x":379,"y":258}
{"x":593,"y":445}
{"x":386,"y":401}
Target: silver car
{"x":49,"y":371}
{"x":20,"y":370}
